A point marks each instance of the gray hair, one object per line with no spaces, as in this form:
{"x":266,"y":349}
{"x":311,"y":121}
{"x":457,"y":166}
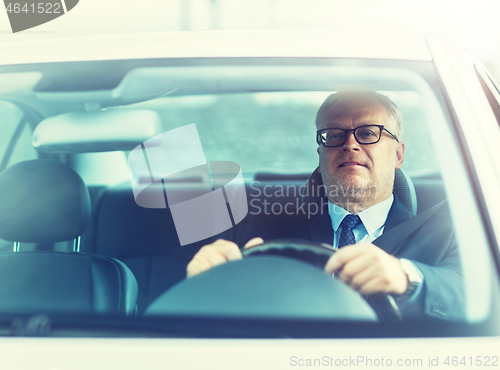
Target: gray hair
{"x":388,"y":104}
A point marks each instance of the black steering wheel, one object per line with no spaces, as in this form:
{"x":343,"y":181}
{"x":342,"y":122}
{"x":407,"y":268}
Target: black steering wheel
{"x":270,"y":284}
{"x":318,"y":254}
{"x":314,"y":253}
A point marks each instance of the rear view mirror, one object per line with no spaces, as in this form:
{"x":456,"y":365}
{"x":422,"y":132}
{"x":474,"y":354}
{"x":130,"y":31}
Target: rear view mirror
{"x":100,"y":131}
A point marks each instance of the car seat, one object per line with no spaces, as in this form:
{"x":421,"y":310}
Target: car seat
{"x":44,"y":202}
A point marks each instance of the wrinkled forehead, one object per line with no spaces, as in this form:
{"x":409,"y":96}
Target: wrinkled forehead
{"x":354,"y":110}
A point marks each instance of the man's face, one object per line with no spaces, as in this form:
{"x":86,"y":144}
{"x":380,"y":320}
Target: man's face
{"x":353,"y":172}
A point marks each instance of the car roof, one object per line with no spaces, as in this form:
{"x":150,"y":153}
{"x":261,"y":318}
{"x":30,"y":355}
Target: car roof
{"x":342,"y":43}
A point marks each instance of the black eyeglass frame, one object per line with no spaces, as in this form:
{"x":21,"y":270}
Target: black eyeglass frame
{"x":381,"y":127}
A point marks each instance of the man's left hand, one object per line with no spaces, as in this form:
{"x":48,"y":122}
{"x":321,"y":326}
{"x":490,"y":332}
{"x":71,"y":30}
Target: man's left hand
{"x":368,"y":269}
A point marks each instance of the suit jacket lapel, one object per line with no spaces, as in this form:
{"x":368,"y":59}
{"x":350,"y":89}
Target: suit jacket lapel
{"x":397,"y":214}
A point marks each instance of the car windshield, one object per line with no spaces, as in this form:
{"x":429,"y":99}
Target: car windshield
{"x":152,"y":140}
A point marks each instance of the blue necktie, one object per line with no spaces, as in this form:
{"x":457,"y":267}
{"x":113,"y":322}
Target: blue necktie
{"x":347,"y":236}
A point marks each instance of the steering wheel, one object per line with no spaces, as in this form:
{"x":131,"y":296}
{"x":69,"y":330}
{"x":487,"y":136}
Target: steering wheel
{"x":318,"y":254}
{"x":314,"y":253}
{"x":271,"y":285}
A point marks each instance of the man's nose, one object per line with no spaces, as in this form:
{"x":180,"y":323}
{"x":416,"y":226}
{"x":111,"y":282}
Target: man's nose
{"x":350,"y":142}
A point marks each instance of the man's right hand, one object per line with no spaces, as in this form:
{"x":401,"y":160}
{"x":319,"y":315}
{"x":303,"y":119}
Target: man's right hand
{"x":217,"y":253}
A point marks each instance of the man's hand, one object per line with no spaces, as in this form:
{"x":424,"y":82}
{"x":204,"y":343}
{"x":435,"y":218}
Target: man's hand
{"x":214,"y":254}
{"x":368,"y":269}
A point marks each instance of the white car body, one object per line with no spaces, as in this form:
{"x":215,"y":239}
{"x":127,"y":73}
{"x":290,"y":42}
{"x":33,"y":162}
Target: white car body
{"x":473,"y":113}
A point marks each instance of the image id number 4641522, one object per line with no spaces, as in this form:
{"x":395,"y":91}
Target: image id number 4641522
{"x":48,"y":8}
{"x":474,"y":361}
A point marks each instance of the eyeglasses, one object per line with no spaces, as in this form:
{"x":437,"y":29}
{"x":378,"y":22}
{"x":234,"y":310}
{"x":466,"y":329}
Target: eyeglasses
{"x":367,"y":134}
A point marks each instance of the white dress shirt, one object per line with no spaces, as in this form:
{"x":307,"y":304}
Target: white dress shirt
{"x":372,"y":221}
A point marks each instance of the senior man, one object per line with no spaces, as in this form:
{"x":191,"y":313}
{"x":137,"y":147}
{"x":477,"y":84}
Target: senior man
{"x":359,"y":151}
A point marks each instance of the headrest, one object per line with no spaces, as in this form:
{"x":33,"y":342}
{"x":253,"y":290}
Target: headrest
{"x":42,"y":201}
{"x":403,"y":189}
{"x":314,"y":188}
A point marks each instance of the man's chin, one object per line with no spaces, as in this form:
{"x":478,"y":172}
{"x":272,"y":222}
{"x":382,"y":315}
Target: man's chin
{"x":352,"y":187}
{"x":353,"y":183}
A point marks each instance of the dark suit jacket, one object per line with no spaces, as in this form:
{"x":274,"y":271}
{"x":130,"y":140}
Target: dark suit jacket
{"x":432,"y":248}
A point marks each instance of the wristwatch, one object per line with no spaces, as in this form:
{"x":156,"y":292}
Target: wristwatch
{"x":413,"y":277}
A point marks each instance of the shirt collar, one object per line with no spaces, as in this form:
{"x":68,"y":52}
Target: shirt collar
{"x":373,"y":218}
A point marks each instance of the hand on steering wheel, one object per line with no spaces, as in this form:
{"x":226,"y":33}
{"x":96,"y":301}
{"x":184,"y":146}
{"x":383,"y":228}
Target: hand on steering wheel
{"x":318,"y":254}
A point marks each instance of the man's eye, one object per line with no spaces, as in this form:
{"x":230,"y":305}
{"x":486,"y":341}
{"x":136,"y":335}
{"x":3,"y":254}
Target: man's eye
{"x":367,"y":133}
{"x":334,"y":136}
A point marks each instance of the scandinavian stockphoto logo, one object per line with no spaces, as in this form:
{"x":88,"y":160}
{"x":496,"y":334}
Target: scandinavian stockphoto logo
{"x":24,"y":14}
{"x":170,"y":170}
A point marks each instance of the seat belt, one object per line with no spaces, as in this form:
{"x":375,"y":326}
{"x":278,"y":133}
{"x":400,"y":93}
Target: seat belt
{"x":392,"y":238}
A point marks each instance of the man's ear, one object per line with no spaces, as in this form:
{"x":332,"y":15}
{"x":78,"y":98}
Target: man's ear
{"x":400,"y":154}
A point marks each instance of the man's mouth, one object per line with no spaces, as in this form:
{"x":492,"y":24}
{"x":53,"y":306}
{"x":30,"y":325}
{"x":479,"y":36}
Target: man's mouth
{"x":347,"y":164}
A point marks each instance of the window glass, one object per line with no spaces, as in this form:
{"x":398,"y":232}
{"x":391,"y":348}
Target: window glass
{"x":11,"y":116}
{"x":245,"y":128}
{"x":271,"y":131}
{"x":23,"y":150}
